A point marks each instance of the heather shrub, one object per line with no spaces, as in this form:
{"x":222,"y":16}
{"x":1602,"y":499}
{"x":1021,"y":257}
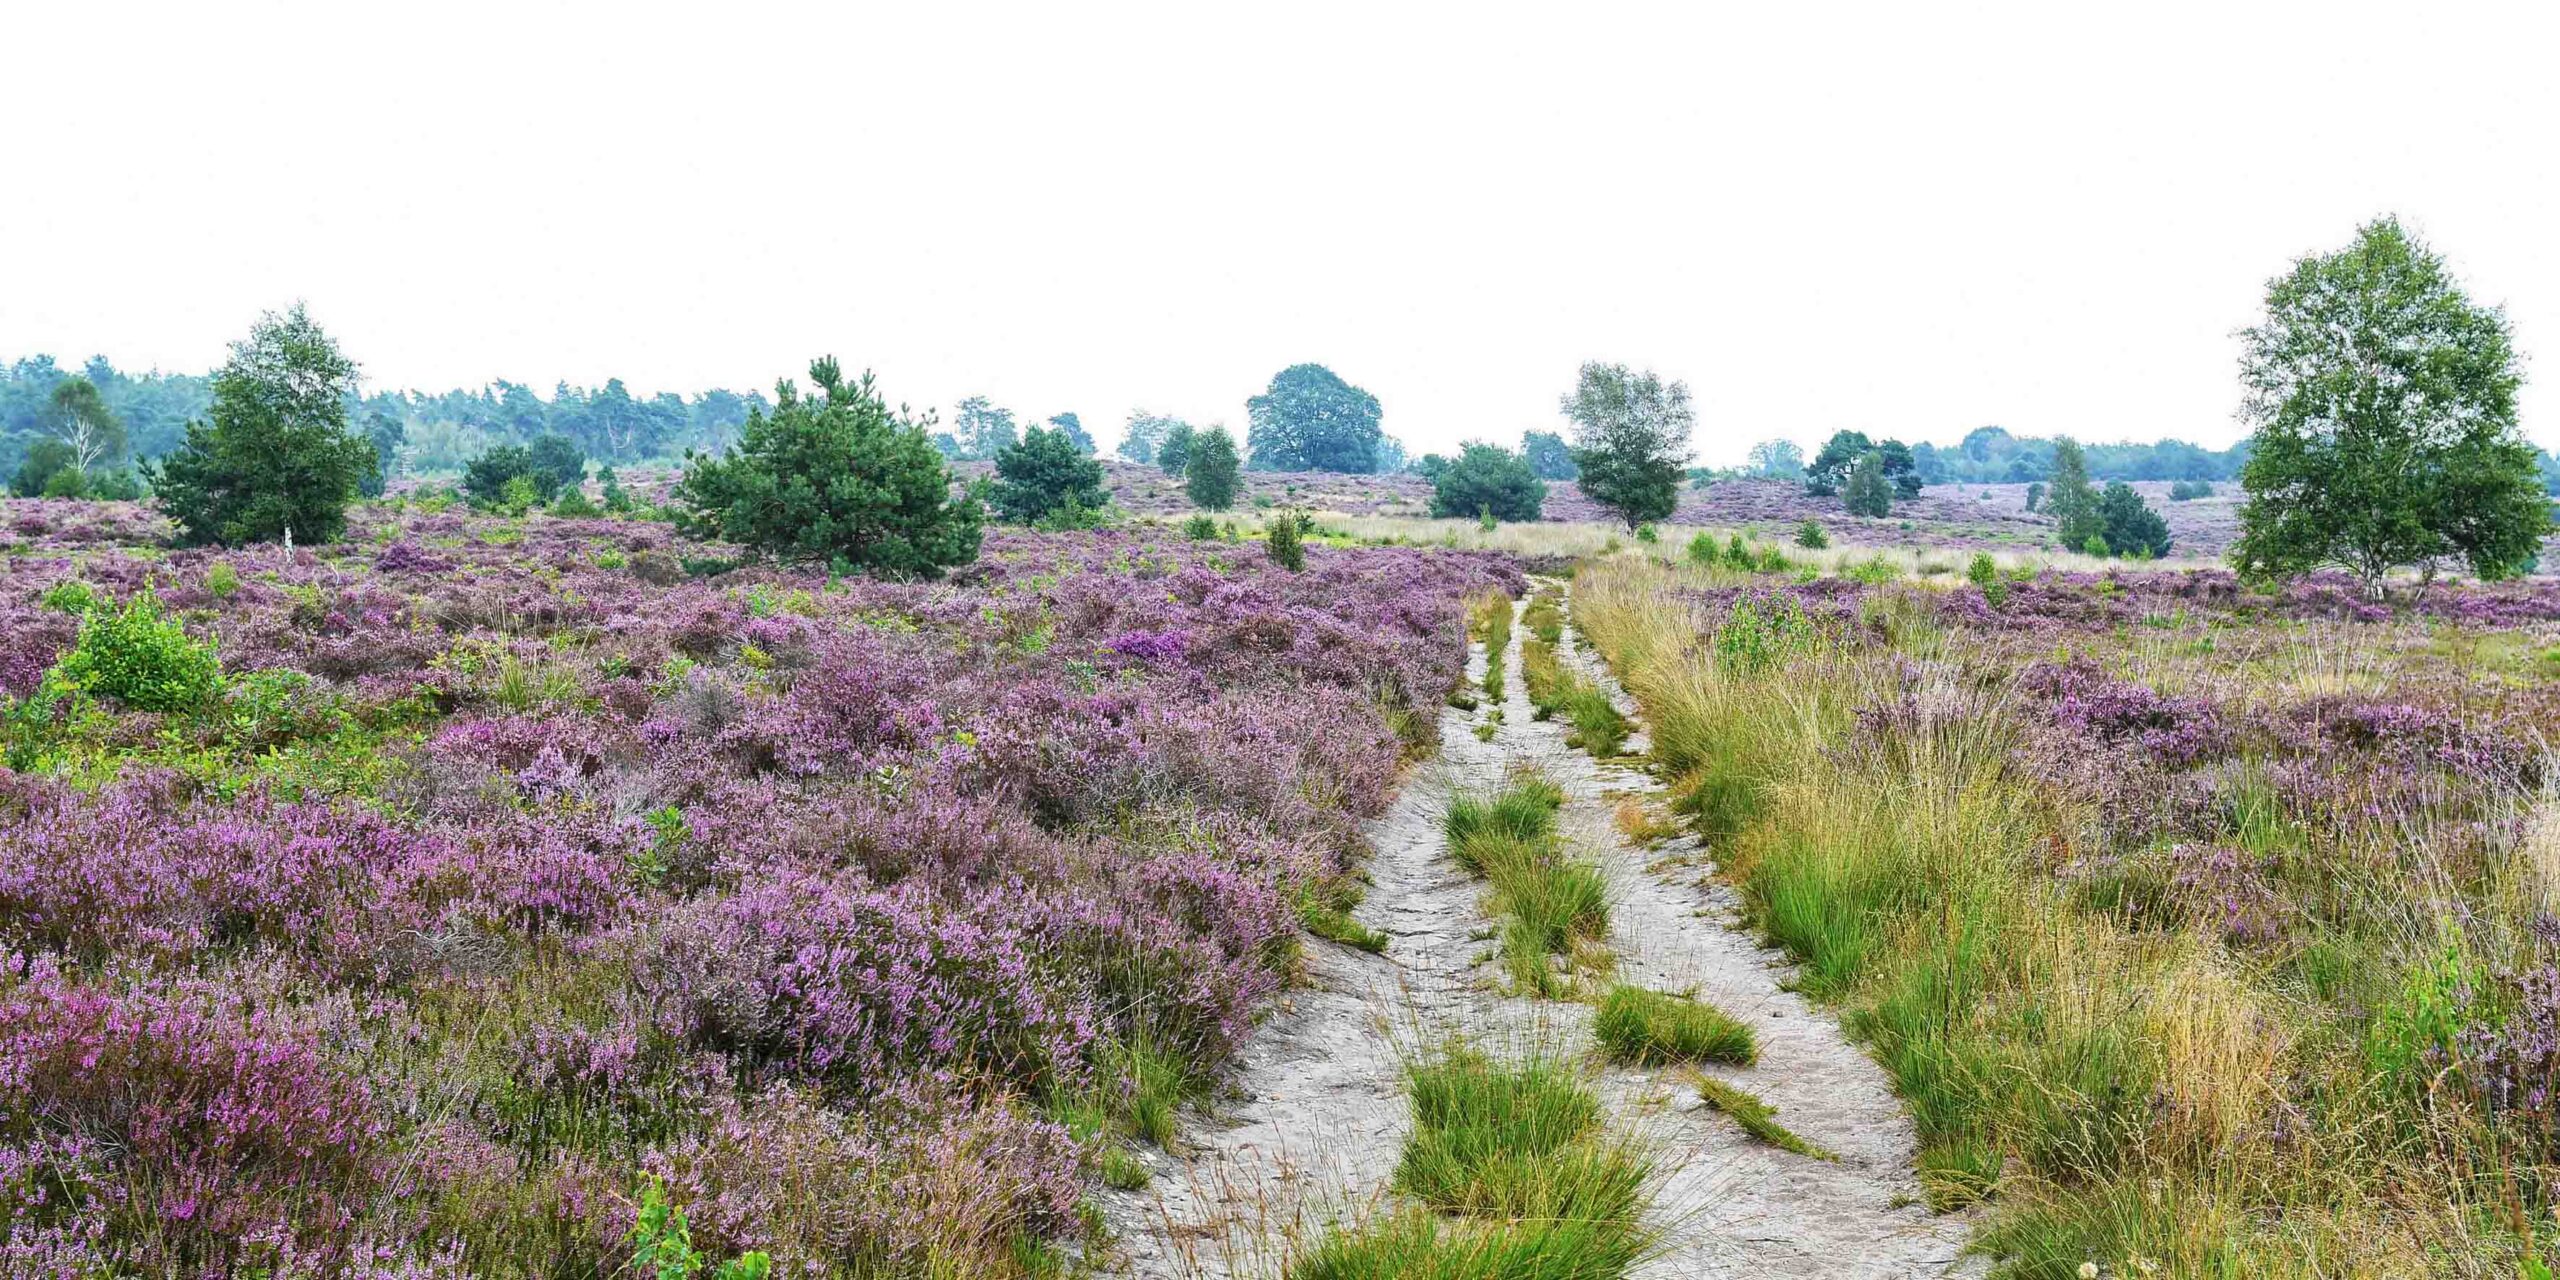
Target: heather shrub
{"x":225,"y":1132}
{"x":141,"y":657}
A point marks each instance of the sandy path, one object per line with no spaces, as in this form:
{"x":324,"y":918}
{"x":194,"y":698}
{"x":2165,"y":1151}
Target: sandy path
{"x":1318,"y":1117}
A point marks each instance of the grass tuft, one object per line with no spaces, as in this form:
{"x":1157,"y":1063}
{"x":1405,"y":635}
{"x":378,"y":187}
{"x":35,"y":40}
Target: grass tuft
{"x":1757,"y":1118}
{"x":1636,"y":1025}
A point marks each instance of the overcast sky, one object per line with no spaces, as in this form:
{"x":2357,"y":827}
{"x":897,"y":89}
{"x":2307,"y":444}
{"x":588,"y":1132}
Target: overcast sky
{"x":1912,"y":219}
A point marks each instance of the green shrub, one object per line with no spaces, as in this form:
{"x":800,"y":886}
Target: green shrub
{"x":1636,"y":1025}
{"x":838,"y":479}
{"x":1043,"y":474}
{"x":1810,"y":536}
{"x":1490,"y":482}
{"x":1200,"y":528}
{"x":1647,"y":534}
{"x":1288,"y":543}
{"x":142,"y":658}
{"x":1702,"y":549}
{"x":222,"y":580}
{"x":71,"y":596}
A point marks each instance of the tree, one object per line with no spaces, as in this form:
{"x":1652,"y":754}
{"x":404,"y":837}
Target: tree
{"x":1046,"y":473}
{"x":2069,"y":500}
{"x":1145,"y":434}
{"x":838,"y":479}
{"x":1430,"y":466}
{"x":486,"y":479}
{"x":1072,"y":427}
{"x":386,"y":434}
{"x":556,"y":463}
{"x":1209,"y":471}
{"x":1868,"y":493}
{"x":1830,"y":468}
{"x":42,"y":461}
{"x":1391,"y":457}
{"x":2385,"y":408}
{"x":1550,"y":458}
{"x":1901,"y":468}
{"x":1311,"y":420}
{"x":84,"y":424}
{"x":982,"y":430}
{"x":1631,"y":440}
{"x":1173,"y":453}
{"x":2132,"y":527}
{"x":1486,"y":479}
{"x":1777,"y":459}
{"x":275,"y":454}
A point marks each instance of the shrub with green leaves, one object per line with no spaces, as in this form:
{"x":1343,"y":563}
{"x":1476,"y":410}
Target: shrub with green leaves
{"x":1288,"y":542}
{"x":1810,"y":536}
{"x":141,"y":657}
{"x":275,"y":454}
{"x":837,"y":479}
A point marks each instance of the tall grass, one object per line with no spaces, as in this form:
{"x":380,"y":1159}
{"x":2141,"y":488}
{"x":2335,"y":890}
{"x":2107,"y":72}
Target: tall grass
{"x":2141,"y":1097}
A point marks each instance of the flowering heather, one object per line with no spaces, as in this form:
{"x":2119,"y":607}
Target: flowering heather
{"x":513,"y":861}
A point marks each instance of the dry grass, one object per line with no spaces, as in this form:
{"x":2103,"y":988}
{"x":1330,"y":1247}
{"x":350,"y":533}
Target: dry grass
{"x":2122,"y":1093}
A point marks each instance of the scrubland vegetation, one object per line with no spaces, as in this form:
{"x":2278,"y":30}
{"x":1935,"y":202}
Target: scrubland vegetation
{"x":2204,"y":931}
{"x":423,"y":904}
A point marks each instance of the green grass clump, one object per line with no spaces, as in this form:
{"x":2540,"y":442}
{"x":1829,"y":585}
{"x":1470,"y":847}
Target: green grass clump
{"x":1549,"y":900}
{"x":1525,"y":1183}
{"x":1334,"y":924}
{"x":1636,"y":1025}
{"x":1756,"y":1117}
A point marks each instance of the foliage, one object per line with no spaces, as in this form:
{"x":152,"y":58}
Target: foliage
{"x":1776,"y":459}
{"x":1549,"y":457}
{"x":1145,"y":434}
{"x":1173,"y":451}
{"x":42,"y":461}
{"x":2385,"y":405}
{"x":1309,"y":419}
{"x":1045,"y":473}
{"x":81,"y":419}
{"x":1810,"y":536}
{"x":1287,"y":540}
{"x":488,"y":478}
{"x":2132,"y":527}
{"x":980,"y":430}
{"x":2190,"y":490}
{"x":1209,"y":467}
{"x":1072,"y":427}
{"x":1490,"y":481}
{"x":1756,"y":1117}
{"x":1867,"y":492}
{"x":141,"y":657}
{"x":557,"y":464}
{"x":837,"y":479}
{"x":1631,"y":440}
{"x":662,"y":1245}
{"x":2069,"y":499}
{"x":1832,"y":469}
{"x":386,"y":434}
{"x":274,"y":455}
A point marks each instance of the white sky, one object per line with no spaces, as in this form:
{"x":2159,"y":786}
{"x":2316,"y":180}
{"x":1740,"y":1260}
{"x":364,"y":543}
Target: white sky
{"x":1910,"y":219}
